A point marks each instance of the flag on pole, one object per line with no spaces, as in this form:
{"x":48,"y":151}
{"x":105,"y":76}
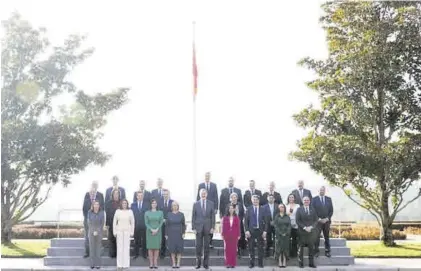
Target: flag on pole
{"x":194,"y":66}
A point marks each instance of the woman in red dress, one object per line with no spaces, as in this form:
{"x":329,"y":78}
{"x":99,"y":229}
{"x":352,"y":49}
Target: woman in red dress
{"x":231,"y":234}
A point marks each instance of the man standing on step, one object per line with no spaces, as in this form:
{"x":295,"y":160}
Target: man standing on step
{"x":158,"y":193}
{"x":165,"y":205}
{"x":225,"y":198}
{"x":324,"y":209}
{"x":146,"y":193}
{"x":276,"y":196}
{"x":300,"y":193}
{"x":307,"y":220}
{"x":255,"y":224}
{"x":122,"y":192}
{"x":90,"y":197}
{"x":248,"y":195}
{"x":139,"y":208}
{"x":212,"y":191}
{"x":203,"y":224}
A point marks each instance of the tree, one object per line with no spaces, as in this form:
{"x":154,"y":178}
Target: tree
{"x":40,"y":145}
{"x":365,"y":137}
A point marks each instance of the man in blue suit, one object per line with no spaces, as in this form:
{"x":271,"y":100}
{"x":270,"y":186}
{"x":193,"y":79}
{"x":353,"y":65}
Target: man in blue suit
{"x":115,"y":186}
{"x":165,"y":205}
{"x":157,"y":193}
{"x":324,"y":210}
{"x":212,"y":191}
{"x":139,"y":207}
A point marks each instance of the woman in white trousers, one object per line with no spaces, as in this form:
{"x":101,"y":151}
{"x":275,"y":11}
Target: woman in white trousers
{"x":123,"y":225}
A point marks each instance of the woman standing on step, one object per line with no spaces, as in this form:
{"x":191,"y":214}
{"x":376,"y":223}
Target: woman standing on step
{"x":153,"y":221}
{"x":282,"y":224}
{"x":175,"y":228}
{"x":123,"y":225}
{"x":231,"y":234}
{"x":96,"y":219}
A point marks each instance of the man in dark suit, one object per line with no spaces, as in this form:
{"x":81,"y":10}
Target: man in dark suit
{"x":139,"y":207}
{"x":212,"y":190}
{"x":115,"y":186}
{"x":239,"y":210}
{"x":146,"y":193}
{"x":324,"y":209}
{"x":203,"y":224}
{"x":277,"y":197}
{"x":91,"y":196}
{"x":165,"y":205}
{"x":271,"y":209}
{"x":157,"y":193}
{"x":251,"y":192}
{"x":300,"y":193}
{"x":225,"y":198}
{"x":307,"y":220}
{"x":255,"y":224}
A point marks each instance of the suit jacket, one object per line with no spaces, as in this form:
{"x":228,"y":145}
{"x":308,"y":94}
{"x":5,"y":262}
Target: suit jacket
{"x":96,"y":222}
{"x":305,"y":220}
{"x":276,"y":195}
{"x":262,"y":219}
{"x":155,"y":195}
{"x":203,"y":222}
{"x":247,"y":197}
{"x":224,"y":199}
{"x":146,"y":196}
{"x":231,"y":232}
{"x":298,"y":199}
{"x":87,"y":202}
{"x":109,"y":213}
{"x":323,"y":211}
{"x":139,"y":214}
{"x":212,"y":193}
{"x":267,"y":211}
{"x":110,"y":189}
{"x":161,"y":206}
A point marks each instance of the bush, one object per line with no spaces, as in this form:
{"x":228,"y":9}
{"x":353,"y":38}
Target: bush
{"x":30,"y":232}
{"x":365,"y":233}
{"x":413,"y":230}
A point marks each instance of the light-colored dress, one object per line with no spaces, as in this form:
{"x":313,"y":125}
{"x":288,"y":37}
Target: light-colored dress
{"x":292,"y":214}
{"x":154,"y":220}
{"x":123,"y":225}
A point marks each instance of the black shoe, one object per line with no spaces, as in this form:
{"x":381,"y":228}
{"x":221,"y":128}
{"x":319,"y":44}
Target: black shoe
{"x":211,"y":246}
{"x":327,"y":253}
{"x":135,"y":257}
{"x":301,"y":265}
{"x":155,"y":267}
{"x":144,"y":256}
{"x":312,"y":266}
{"x":97,"y":267}
{"x":260,"y":265}
{"x":198,"y":264}
{"x":86,"y":255}
{"x":92,"y":267}
{"x":206,"y":266}
{"x":251,"y":265}
{"x":150,"y":267}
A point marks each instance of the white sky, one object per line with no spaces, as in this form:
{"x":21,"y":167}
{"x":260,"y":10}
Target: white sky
{"x":249,"y":87}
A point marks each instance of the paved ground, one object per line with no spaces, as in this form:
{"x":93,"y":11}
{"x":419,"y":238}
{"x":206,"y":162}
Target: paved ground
{"x":360,"y":264}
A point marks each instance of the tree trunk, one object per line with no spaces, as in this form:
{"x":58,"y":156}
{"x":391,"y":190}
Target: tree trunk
{"x":6,"y":233}
{"x":386,"y":235}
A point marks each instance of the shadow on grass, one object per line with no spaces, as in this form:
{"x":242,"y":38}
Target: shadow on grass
{"x":20,"y":250}
{"x":408,"y":248}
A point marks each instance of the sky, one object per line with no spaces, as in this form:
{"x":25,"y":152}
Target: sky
{"x":249,"y":87}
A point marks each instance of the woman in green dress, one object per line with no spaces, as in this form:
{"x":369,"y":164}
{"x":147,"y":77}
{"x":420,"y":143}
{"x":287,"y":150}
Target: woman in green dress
{"x":153,"y":221}
{"x":282,"y":224}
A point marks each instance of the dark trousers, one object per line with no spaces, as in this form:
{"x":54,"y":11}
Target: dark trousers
{"x":163,"y":249}
{"x":270,"y":239}
{"x":112,"y":243}
{"x":140,"y":241}
{"x":242,"y":244}
{"x":306,"y":239}
{"x":256,"y":236}
{"x":294,"y":241}
{"x":86,"y":231}
{"x":202,"y":244}
{"x":325,"y":228}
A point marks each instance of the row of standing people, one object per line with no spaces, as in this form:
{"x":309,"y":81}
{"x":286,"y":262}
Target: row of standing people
{"x":268,"y":201}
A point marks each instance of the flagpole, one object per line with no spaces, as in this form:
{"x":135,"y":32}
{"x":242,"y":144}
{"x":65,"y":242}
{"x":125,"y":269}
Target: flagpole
{"x":194,"y":113}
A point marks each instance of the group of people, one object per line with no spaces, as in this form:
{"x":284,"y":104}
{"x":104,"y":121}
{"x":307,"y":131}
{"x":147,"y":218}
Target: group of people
{"x":157,"y":225}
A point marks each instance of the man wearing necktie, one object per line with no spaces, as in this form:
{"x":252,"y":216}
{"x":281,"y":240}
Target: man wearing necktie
{"x":224,"y":199}
{"x":256,"y":226}
{"x":139,"y":207}
{"x":90,"y":197}
{"x":115,"y":186}
{"x":277,"y":197}
{"x":203,"y":224}
{"x":250,"y":193}
{"x":324,"y":209}
{"x":146,"y":193}
{"x":306,"y":219}
{"x":157,"y":193}
{"x":212,"y":195}
{"x":300,"y":193}
{"x":165,"y":205}
{"x":271,"y":209}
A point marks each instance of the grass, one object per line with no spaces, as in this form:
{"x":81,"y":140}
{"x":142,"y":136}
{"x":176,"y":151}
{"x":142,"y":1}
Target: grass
{"x":378,"y":250}
{"x":25,"y":249}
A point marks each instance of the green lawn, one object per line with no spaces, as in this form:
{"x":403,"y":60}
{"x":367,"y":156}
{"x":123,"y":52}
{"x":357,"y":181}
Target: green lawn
{"x":374,"y":250}
{"x":25,"y":248}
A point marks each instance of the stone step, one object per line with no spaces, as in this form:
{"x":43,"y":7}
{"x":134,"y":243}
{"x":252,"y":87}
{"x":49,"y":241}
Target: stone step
{"x":188,"y":251}
{"x":191,"y":261}
{"x":79,"y":242}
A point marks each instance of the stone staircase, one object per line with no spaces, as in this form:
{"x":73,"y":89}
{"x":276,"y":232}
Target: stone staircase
{"x":70,"y":251}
